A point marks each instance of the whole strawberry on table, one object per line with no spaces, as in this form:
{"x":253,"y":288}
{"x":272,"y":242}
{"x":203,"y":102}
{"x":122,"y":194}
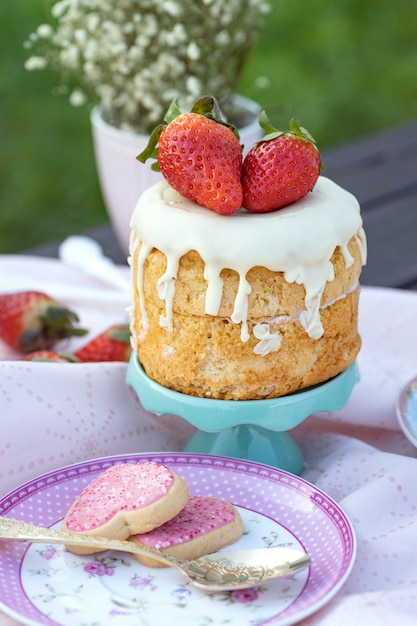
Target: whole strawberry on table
{"x":32,"y":323}
{"x":32,"y":320}
{"x":111,"y":344}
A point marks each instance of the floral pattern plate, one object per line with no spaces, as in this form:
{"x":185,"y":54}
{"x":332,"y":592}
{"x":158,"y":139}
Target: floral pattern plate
{"x":44,"y":584}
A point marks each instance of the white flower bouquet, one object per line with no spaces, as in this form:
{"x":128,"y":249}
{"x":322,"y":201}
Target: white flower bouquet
{"x":133,"y":57}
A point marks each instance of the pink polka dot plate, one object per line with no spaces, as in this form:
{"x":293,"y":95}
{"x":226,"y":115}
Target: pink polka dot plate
{"x":44,"y":584}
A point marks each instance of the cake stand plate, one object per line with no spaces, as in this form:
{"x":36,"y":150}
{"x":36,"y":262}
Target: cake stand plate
{"x":254,"y":430}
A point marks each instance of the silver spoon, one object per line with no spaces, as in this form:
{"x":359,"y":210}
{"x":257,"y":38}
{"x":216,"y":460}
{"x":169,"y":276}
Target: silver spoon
{"x":222,"y":571}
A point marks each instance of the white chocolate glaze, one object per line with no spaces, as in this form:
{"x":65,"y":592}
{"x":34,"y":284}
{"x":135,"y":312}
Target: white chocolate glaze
{"x":271,"y":342}
{"x":298,"y":240}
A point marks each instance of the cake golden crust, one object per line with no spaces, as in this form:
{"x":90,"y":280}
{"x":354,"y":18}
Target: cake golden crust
{"x":204,"y":355}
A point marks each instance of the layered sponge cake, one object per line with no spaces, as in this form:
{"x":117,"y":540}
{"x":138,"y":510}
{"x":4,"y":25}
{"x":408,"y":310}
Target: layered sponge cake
{"x":248,"y":305}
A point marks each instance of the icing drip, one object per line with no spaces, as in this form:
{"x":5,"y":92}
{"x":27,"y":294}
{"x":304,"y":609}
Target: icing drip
{"x":298,"y":240}
{"x":240,"y":312}
{"x":143,"y":253}
{"x":360,"y":239}
{"x":120,"y":487}
{"x":268,"y":342}
{"x":214,"y":288}
{"x":201,"y":515}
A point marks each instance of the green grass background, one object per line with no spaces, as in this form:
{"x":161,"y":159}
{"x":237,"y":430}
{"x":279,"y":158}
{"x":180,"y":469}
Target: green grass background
{"x":346,"y":68}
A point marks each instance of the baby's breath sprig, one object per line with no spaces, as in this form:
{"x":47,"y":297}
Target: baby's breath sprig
{"x":133,"y":57}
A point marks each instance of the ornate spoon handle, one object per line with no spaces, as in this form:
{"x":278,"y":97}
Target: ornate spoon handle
{"x":225,"y":570}
{"x":22,"y":531}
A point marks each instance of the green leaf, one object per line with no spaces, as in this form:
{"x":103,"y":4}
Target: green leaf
{"x":266,"y":125}
{"x":210,"y":108}
{"x":172,"y":112}
{"x":120,"y":335}
{"x":299,"y":131}
{"x":151,"y":150}
{"x":296,"y":130}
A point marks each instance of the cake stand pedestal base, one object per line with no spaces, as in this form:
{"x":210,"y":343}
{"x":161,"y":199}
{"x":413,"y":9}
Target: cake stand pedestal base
{"x":250,"y":442}
{"x":254,"y":430}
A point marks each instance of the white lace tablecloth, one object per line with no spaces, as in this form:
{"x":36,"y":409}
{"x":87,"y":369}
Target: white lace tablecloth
{"x":357,"y":455}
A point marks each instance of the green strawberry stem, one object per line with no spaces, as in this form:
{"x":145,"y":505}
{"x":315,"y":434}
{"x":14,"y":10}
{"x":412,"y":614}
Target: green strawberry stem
{"x":300,"y":131}
{"x":151,"y":150}
{"x":266,"y":125}
{"x":119,"y":334}
{"x":55,"y":323}
{"x":206,"y":106}
{"x":295,"y":130}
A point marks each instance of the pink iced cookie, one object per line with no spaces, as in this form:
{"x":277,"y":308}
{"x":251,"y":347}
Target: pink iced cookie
{"x":203,"y":526}
{"x":126,"y":499}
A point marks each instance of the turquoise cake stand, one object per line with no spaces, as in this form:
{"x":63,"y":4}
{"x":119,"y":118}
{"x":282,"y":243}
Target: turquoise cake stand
{"x":254,"y":430}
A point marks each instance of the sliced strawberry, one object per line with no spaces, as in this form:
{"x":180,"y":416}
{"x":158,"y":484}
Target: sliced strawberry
{"x":32,"y":320}
{"x":113,"y":344}
{"x":199,"y":155}
{"x":280,"y":169}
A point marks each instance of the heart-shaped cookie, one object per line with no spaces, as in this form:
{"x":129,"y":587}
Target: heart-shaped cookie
{"x":126,"y":499}
{"x":203,"y":526}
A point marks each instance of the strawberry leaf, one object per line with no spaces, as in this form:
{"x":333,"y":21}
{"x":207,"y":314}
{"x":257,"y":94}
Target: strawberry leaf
{"x":265,"y":124}
{"x":300,"y":132}
{"x":295,"y":130}
{"x":270,"y":131}
{"x":151,"y":150}
{"x":209,"y":107}
{"x":121,"y":335}
{"x":172,"y":112}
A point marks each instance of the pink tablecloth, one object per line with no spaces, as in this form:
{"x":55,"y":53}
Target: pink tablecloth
{"x":358,"y":455}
